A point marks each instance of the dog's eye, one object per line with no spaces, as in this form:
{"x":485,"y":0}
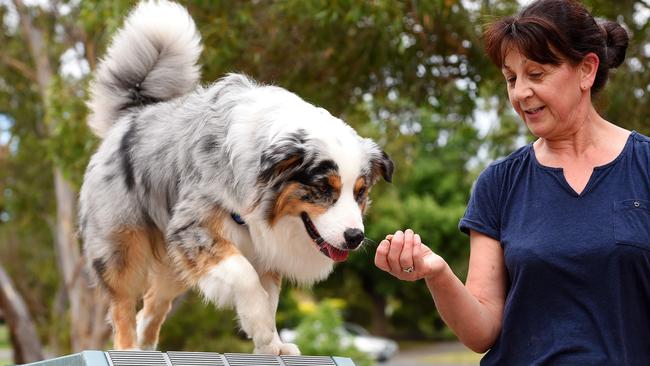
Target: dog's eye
{"x":323,"y":188}
{"x":361,"y":192}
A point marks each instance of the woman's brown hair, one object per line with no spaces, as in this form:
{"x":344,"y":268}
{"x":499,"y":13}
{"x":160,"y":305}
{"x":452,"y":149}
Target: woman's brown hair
{"x":557,"y":31}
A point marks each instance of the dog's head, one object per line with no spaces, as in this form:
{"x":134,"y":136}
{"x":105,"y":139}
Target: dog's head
{"x":320,"y":175}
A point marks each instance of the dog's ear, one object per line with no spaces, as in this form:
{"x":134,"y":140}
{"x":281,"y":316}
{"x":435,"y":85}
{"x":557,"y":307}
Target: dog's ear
{"x":382,"y":164}
{"x":283,"y":156}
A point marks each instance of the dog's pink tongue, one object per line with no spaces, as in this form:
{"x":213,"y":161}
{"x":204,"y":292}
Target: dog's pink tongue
{"x":337,"y":255}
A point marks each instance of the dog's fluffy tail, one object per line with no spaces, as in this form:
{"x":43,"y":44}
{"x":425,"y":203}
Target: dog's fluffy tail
{"x":152,"y":58}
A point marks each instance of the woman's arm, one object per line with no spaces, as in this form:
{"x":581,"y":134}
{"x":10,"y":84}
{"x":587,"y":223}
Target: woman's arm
{"x":473,"y":311}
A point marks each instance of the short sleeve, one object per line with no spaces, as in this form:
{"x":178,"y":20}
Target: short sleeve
{"x":482,"y":213}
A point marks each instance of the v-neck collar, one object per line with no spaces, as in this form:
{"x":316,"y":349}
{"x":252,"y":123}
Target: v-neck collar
{"x":595,"y":174}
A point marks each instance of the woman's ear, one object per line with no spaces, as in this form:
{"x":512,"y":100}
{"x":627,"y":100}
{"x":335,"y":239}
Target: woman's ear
{"x":588,"y":68}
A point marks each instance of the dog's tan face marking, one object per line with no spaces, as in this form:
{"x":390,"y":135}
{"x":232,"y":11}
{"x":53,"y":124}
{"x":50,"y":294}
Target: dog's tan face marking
{"x":197,"y":261}
{"x":361,"y":190}
{"x":290,"y":203}
{"x":314,"y":199}
{"x":335,"y":182}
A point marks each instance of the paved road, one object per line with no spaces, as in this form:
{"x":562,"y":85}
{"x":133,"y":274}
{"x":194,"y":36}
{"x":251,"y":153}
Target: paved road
{"x":435,"y":354}
{"x":6,"y":357}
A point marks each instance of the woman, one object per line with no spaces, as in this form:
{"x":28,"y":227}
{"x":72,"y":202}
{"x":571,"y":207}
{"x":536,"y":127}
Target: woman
{"x":559,"y":270}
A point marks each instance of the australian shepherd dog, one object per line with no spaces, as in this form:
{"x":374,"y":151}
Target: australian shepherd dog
{"x":225,"y":188}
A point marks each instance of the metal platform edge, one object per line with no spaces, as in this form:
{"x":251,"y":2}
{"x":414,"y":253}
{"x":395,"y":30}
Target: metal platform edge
{"x":84,"y":358}
{"x":100,"y":358}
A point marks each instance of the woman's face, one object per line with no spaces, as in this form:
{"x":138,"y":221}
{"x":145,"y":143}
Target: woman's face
{"x":548,"y":98}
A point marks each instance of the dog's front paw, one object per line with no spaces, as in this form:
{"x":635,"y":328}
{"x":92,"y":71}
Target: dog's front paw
{"x":278,"y":348}
{"x":272,"y":348}
{"x":289,"y":349}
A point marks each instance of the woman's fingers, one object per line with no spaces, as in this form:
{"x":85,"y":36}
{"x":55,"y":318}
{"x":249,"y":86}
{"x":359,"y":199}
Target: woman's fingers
{"x":396,"y":245}
{"x":381,"y":256}
{"x":406,"y":257}
{"x":401,"y":255}
{"x":418,"y":255}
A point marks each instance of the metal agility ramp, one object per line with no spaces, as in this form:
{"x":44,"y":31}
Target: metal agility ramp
{"x":154,"y":358}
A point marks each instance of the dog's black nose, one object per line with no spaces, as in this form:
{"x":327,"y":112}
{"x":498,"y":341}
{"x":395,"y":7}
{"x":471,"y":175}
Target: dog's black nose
{"x":353,"y":238}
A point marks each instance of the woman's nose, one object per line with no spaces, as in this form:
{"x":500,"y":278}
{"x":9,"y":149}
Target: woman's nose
{"x":522,"y":90}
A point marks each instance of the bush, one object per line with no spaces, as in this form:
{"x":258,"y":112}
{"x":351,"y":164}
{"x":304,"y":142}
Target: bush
{"x":199,"y":326}
{"x":319,"y":333}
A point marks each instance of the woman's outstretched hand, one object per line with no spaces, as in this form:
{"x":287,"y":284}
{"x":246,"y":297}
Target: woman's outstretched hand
{"x":404,"y":256}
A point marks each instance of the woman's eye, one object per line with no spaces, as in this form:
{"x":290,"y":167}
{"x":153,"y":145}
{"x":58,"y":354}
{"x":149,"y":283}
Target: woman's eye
{"x":536,"y":75}
{"x":511,"y":80}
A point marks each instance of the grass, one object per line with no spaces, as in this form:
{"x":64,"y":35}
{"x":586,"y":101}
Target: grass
{"x":441,"y":353}
{"x":4,"y":336}
{"x":4,"y":344}
{"x":461,"y":358}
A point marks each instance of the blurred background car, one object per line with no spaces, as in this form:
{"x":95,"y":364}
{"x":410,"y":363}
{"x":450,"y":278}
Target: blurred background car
{"x":378,"y":348}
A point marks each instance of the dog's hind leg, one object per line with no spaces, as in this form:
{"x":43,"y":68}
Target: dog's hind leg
{"x":123,"y":272}
{"x":157,"y":301}
{"x":123,"y":316}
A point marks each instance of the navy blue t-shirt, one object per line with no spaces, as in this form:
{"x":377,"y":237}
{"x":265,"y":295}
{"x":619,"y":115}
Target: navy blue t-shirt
{"x":578,"y":265}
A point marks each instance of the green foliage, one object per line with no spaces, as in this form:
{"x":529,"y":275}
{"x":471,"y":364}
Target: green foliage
{"x":70,"y":143}
{"x":288,"y":314}
{"x":4,"y":336}
{"x":198,"y":326}
{"x":410,"y":74}
{"x":320,"y":333}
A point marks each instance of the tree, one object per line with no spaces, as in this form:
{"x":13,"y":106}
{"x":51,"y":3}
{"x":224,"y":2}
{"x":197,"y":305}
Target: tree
{"x":37,"y":30}
{"x":27,"y":347}
{"x":411,"y":74}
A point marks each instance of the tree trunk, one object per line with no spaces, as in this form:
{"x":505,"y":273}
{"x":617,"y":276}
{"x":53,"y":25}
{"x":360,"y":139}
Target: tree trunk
{"x":26,"y":344}
{"x":379,"y":324}
{"x":89,"y":330}
{"x":379,"y":320}
{"x":87,"y":309}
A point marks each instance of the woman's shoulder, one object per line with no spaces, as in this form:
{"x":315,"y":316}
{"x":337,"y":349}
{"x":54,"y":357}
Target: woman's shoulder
{"x":641,"y":139}
{"x":640,"y":150}
{"x":515,"y":156}
{"x":507,"y":167}
{"x":515,"y":159}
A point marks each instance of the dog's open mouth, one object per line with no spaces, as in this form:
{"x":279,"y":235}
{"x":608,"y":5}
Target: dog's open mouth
{"x":336,"y":254}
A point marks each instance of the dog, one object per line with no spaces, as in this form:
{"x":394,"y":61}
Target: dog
{"x":225,"y":189}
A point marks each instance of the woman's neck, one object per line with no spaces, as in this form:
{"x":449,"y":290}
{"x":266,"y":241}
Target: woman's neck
{"x":593,"y":141}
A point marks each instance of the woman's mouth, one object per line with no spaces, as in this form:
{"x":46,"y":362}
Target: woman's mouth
{"x":534,"y":111}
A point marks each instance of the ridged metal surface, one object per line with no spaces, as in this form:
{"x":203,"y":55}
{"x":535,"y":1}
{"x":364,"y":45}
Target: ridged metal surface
{"x":154,"y":358}
{"x":307,"y":361}
{"x":137,"y":358}
{"x":243,"y":359}
{"x":196,"y":359}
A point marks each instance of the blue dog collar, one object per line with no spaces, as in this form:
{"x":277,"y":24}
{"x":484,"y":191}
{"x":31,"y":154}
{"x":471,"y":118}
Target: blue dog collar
{"x":237,"y":219}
